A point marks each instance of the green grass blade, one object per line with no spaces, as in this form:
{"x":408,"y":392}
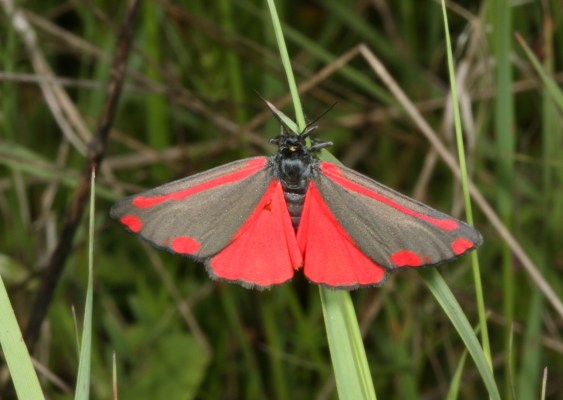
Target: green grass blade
{"x":278,"y":368}
{"x":469,"y":214}
{"x":15,"y":351}
{"x":156,"y":112}
{"x":286,"y":62}
{"x":544,"y":384}
{"x":232,"y":64}
{"x":552,"y":88}
{"x":455,"y":384}
{"x":114,"y":376}
{"x":83,"y":379}
{"x":351,"y":369}
{"x":505,"y":146}
{"x":449,"y":304}
{"x":531,"y":359}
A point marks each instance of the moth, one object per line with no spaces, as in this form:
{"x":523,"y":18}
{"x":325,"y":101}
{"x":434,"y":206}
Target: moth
{"x":257,"y":220}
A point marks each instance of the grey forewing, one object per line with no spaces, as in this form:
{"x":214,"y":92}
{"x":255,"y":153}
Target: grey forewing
{"x":195,"y":180}
{"x":212,"y":216}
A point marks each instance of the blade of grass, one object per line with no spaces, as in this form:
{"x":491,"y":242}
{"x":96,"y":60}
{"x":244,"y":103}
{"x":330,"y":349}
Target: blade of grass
{"x":15,"y":351}
{"x":400,"y":347}
{"x":156,"y":109}
{"x":353,"y":377}
{"x":277,"y":367}
{"x":549,"y":83}
{"x":114,"y":376}
{"x":509,"y":363}
{"x":467,"y":199}
{"x":349,"y":361}
{"x":530,"y":366}
{"x":286,"y":62}
{"x":453,"y":393}
{"x":544,"y":384}
{"x":248,"y":362}
{"x":83,"y":379}
{"x":451,"y":307}
{"x":233,"y":64}
{"x":505,"y":146}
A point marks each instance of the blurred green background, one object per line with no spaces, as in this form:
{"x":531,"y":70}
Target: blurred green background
{"x":189,"y":104}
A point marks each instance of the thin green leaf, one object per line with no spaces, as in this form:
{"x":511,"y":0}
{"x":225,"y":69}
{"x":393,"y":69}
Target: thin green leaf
{"x":449,"y":304}
{"x":15,"y":351}
{"x":501,"y":19}
{"x":485,"y":351}
{"x":83,"y":379}
{"x":351,"y":369}
{"x":549,"y":83}
{"x":544,"y":384}
{"x":284,"y":55}
{"x":288,"y":122}
{"x":453,"y":393}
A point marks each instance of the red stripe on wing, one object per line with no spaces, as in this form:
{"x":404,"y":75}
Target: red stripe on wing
{"x":132,"y":222}
{"x":185,"y":245}
{"x":406,"y":258}
{"x":330,"y":256}
{"x":461,"y":245}
{"x":334,"y":172}
{"x":253,"y":166}
{"x":264,"y":252}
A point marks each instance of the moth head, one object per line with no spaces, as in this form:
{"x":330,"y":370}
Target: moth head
{"x":291,"y":142}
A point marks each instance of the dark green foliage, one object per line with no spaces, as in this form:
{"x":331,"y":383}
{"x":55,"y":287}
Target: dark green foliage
{"x":185,"y":108}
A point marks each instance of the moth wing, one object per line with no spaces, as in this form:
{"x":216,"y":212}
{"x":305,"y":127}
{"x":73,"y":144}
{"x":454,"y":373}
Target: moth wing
{"x":220,"y":217}
{"x":383,"y":230}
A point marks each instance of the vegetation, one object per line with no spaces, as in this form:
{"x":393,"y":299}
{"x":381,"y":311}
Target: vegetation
{"x":189,"y":104}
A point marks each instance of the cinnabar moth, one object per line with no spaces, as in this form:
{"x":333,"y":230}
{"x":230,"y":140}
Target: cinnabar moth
{"x":257,"y":220}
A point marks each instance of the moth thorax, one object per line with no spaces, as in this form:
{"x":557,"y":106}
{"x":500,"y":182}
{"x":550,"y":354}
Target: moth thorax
{"x":294,"y":169}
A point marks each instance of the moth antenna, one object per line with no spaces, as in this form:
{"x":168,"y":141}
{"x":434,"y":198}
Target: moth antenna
{"x":321,"y":145}
{"x":308,"y":129}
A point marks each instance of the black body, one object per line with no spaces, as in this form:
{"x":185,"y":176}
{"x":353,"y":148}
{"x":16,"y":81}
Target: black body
{"x":293,"y":165}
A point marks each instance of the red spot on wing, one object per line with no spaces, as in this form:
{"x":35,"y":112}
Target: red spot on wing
{"x":264,"y":251}
{"x":406,"y":258}
{"x":330,"y":255}
{"x":132,"y":222}
{"x":250,"y":168}
{"x":335,"y":173}
{"x":185,"y":245}
{"x":461,"y":245}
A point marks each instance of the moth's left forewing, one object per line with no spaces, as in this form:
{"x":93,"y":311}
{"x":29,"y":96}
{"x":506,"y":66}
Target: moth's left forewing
{"x":231,"y":217}
{"x":197,"y":215}
{"x":393,"y":230}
